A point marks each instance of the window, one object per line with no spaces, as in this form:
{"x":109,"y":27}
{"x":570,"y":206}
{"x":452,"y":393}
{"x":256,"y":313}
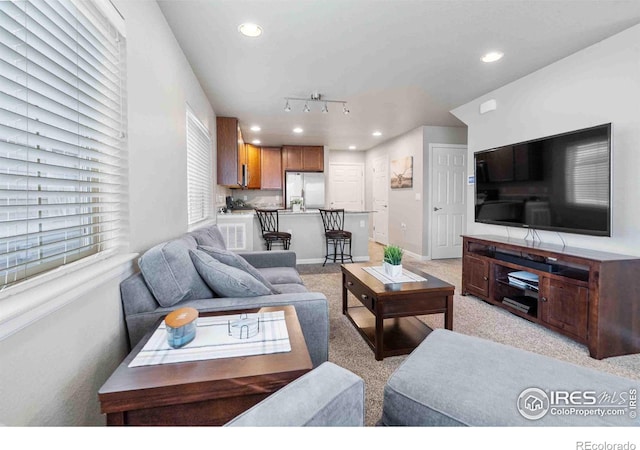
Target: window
{"x":587,"y":173}
{"x":62,"y":135}
{"x":198,"y":169}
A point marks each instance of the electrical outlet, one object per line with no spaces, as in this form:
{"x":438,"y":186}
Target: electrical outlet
{"x":244,"y":197}
{"x":220,"y":198}
{"x":362,"y":224}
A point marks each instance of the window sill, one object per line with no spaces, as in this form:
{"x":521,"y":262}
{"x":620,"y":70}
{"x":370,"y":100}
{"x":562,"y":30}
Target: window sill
{"x":25,"y":304}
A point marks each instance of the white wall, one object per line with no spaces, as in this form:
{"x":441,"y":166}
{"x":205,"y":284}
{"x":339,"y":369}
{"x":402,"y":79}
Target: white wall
{"x":345,"y":157}
{"x":51,"y":370}
{"x":160,"y":82}
{"x":404,"y":206}
{"x":597,"y":85}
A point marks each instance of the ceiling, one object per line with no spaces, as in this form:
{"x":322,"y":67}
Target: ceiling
{"x":399,"y":64}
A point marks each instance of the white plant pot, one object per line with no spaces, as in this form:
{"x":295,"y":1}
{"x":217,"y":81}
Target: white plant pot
{"x":295,"y":207}
{"x":391,"y":270}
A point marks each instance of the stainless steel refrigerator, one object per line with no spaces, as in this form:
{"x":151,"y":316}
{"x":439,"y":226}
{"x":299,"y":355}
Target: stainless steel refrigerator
{"x":307,"y":185}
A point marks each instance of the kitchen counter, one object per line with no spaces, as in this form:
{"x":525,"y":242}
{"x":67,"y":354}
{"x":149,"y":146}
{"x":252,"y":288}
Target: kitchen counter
{"x":251,"y":212}
{"x":245,"y":213}
{"x":315,"y":211}
{"x":307,"y":232}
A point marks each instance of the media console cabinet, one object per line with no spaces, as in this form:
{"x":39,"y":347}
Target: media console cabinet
{"x":590,"y":296}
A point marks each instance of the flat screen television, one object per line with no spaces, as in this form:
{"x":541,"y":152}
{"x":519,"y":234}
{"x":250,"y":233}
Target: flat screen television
{"x":560,"y":183}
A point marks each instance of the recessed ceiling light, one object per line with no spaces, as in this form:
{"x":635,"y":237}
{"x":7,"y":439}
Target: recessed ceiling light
{"x":250,"y":29}
{"x":377,"y":133}
{"x":352,"y":147}
{"x":255,"y":141}
{"x":255,"y":128}
{"x":492,"y":56}
{"x":298,"y":130}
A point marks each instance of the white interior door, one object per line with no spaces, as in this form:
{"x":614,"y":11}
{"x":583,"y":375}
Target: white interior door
{"x":448,"y":199}
{"x":346,"y":186}
{"x":381,"y":200}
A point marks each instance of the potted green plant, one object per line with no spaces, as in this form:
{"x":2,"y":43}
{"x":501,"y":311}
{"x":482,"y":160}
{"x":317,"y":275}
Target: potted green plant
{"x":296,"y":204}
{"x":392,"y":261}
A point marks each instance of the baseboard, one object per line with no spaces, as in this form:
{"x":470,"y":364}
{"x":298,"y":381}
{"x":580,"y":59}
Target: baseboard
{"x":416,"y":256}
{"x":321,"y":260}
{"x":310,"y":261}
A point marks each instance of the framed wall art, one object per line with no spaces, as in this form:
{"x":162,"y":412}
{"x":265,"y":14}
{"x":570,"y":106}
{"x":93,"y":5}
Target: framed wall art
{"x":402,"y":173}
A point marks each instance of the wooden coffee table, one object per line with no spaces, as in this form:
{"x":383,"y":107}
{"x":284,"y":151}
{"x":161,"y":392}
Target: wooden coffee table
{"x":386,"y":314}
{"x":209,"y":392}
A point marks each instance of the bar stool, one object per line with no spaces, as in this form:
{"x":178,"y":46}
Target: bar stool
{"x":335,"y":235}
{"x":269,"y":225}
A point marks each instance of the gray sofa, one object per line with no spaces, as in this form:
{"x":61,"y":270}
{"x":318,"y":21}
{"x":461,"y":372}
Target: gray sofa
{"x":168,"y":279}
{"x":452,"y":379}
{"x":327,"y":396}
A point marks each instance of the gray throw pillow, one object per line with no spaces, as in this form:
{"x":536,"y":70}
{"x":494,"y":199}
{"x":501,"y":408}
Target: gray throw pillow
{"x":171,"y":276}
{"x":209,"y":236}
{"x":224,"y":280}
{"x":237,"y":261}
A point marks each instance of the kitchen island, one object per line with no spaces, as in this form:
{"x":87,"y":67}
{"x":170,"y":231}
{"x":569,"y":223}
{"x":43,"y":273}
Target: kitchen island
{"x":307,"y":233}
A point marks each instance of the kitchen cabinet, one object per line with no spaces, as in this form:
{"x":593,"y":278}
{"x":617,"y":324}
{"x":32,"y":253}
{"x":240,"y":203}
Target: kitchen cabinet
{"x":313,"y":159}
{"x":253,"y":163}
{"x":231,"y":152}
{"x":306,"y":158}
{"x":270,"y":168}
{"x":292,"y":158}
{"x":238,"y":163}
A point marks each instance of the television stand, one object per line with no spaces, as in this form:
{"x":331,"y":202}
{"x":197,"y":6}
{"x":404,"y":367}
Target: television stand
{"x":588,"y":296}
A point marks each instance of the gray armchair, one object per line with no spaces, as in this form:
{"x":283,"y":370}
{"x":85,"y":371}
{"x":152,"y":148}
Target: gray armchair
{"x":327,"y":396}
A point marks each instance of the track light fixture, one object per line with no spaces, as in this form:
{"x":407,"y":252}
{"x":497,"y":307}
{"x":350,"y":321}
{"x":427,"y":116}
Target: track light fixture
{"x":315,"y":97}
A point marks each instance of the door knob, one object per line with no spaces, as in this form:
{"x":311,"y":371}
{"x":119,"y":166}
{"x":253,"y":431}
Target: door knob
{"x":435,"y":208}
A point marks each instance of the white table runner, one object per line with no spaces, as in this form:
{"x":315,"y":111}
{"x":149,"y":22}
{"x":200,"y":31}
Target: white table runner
{"x":212,"y":341}
{"x":406,"y":277}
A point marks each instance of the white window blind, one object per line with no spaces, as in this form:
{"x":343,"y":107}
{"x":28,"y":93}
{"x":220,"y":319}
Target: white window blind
{"x":62,"y":128}
{"x":588,"y":174}
{"x":198,"y":169}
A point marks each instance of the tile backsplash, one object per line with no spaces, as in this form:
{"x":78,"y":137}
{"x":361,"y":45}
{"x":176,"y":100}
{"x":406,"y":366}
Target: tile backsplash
{"x":258,"y":198}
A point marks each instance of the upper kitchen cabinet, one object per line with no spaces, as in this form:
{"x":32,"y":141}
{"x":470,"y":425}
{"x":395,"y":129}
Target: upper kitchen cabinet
{"x":271,"y":168}
{"x":307,"y":158}
{"x":253,"y":171}
{"x":231,"y":151}
{"x":291,"y":158}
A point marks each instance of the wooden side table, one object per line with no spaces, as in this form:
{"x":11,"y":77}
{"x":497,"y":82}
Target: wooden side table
{"x":209,"y":392}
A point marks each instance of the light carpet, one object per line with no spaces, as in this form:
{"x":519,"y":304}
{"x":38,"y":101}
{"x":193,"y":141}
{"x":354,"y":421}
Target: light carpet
{"x":471,"y":316}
